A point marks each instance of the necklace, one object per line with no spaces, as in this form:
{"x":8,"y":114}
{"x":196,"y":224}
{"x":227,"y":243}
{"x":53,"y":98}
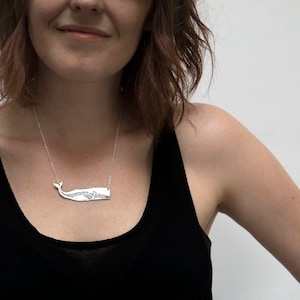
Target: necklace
{"x":87,"y":194}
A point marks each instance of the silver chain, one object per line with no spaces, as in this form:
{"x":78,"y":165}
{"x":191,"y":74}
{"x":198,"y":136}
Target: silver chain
{"x":51,"y":160}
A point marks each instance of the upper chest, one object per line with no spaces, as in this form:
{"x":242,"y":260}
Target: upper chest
{"x":31,"y":179}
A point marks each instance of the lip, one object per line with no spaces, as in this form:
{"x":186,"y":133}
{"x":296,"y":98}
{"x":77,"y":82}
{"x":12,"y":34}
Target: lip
{"x":83,"y":32}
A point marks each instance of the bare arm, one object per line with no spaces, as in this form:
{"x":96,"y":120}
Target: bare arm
{"x":260,"y":195}
{"x":252,"y":186}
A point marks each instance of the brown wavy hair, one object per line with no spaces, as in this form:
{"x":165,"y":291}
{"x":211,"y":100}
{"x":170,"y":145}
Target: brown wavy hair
{"x":158,"y":80}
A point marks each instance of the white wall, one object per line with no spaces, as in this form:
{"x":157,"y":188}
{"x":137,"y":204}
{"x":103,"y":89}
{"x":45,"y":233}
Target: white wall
{"x":257,"y":80}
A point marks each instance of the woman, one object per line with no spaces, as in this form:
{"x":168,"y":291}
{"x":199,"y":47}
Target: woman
{"x":110,"y":179}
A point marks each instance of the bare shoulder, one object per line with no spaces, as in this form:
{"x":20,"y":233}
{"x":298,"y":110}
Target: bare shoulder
{"x":13,"y":126}
{"x":215,"y":139}
{"x":210,"y":133}
{"x":207,"y":137}
{"x":209,"y":121}
{"x":252,"y":186}
{"x":210,"y":140}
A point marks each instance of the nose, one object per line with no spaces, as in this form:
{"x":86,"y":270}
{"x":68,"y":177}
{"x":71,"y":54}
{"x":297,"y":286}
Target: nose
{"x":87,"y":6}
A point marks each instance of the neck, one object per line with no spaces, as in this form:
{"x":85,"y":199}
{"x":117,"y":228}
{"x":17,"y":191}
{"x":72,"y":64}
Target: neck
{"x":79,"y":110}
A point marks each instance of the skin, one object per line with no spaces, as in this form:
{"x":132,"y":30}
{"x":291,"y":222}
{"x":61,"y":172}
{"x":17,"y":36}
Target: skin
{"x":231,"y":172}
{"x":228,"y":169}
{"x":86,"y":57}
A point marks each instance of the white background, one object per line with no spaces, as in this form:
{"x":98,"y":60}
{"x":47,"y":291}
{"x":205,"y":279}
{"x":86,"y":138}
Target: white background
{"x":257,"y":80}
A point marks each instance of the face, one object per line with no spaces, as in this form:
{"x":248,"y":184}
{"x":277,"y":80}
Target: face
{"x":86,"y":40}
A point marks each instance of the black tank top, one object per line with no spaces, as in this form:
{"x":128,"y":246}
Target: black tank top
{"x":166,"y":254}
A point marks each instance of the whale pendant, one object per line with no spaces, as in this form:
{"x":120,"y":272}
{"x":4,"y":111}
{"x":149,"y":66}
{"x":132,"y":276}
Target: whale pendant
{"x":89,"y":194}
